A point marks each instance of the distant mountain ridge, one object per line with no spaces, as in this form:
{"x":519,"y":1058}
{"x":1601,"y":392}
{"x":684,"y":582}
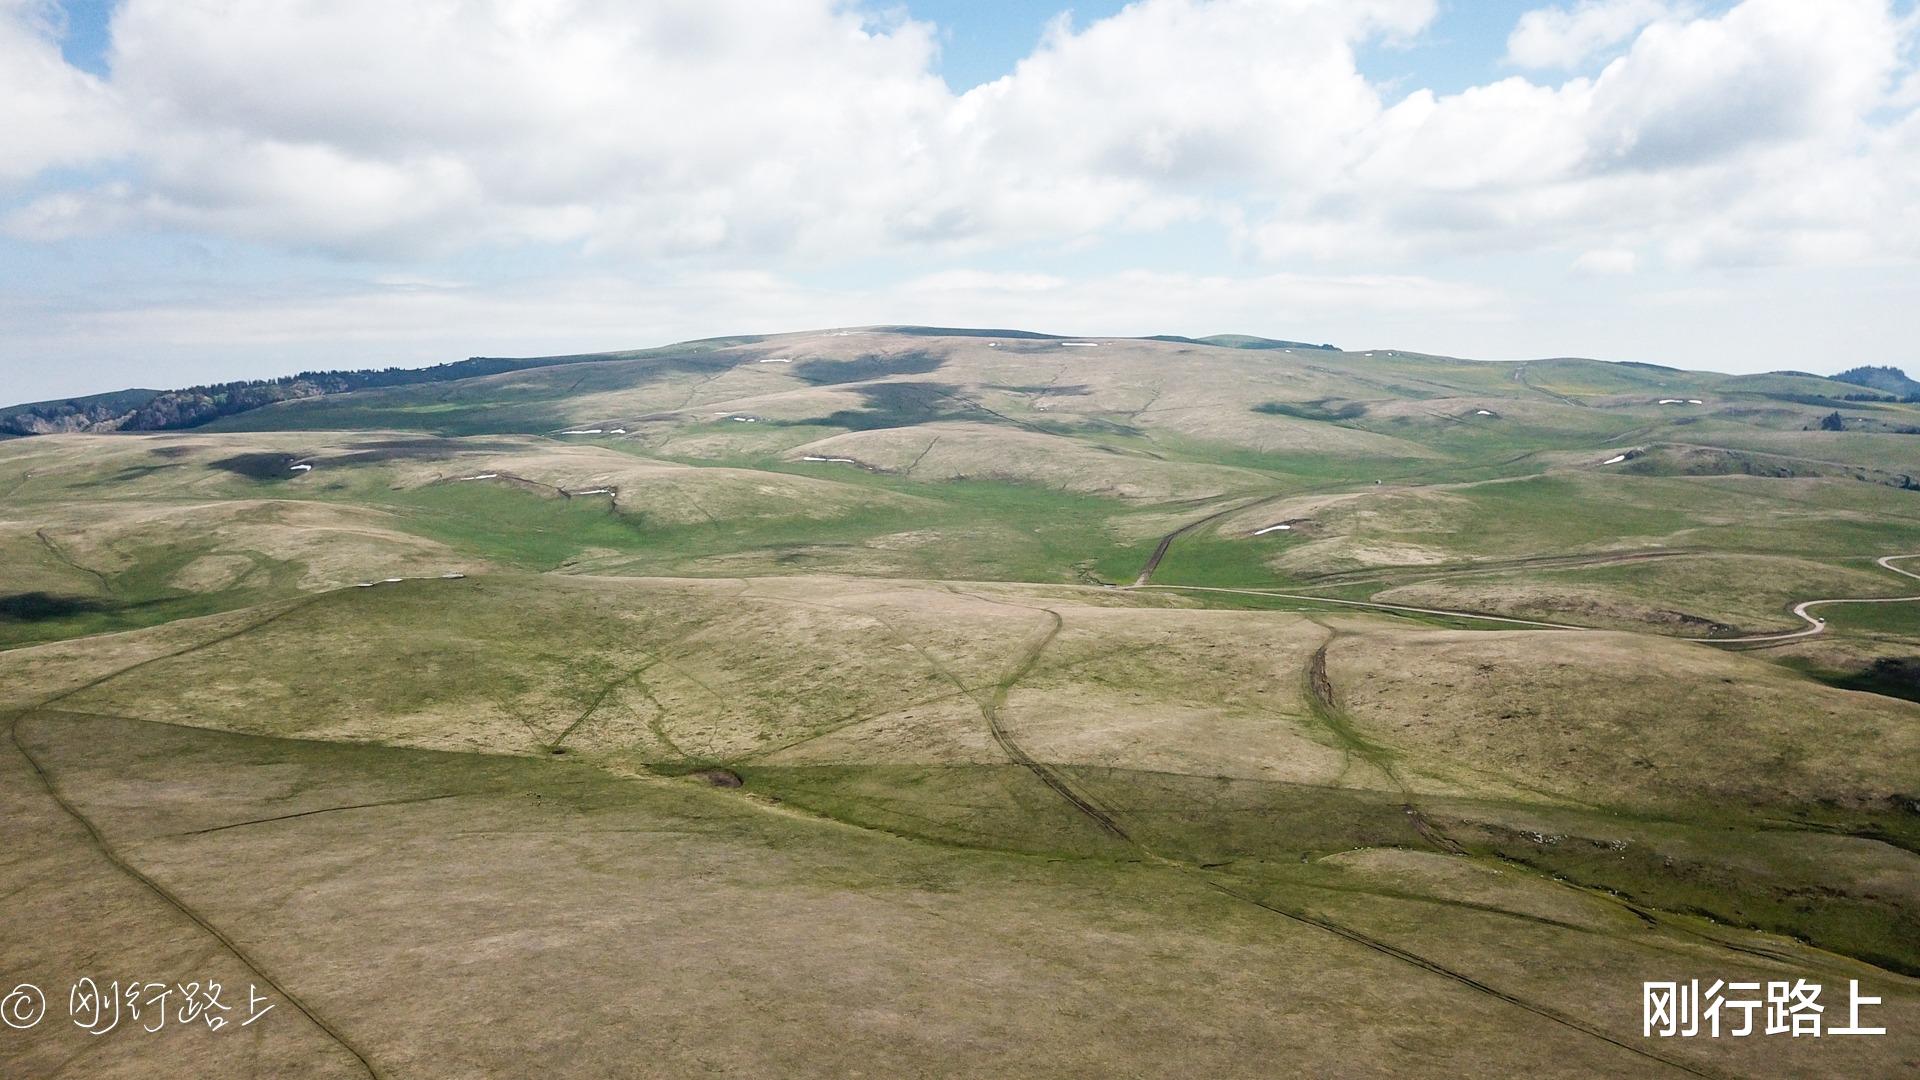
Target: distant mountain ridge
{"x":193,"y":406}
{"x":1242,"y":341}
{"x":1889,"y":379}
{"x":164,"y":410}
{"x":170,"y":410}
{"x":87,"y":413}
{"x":198,"y":406}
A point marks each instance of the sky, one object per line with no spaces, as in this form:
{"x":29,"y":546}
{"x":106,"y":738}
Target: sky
{"x":200,"y":190}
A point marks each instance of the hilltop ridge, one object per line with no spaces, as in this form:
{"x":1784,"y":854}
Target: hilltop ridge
{"x":210,"y":404}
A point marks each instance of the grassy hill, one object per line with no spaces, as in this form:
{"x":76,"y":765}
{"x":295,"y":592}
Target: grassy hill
{"x":195,"y":406}
{"x":1890,"y":379}
{"x":94,"y":411}
{"x":915,"y":701}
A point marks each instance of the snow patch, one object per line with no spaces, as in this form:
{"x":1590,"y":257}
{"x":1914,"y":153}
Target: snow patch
{"x":303,"y":468}
{"x":1272,"y":528}
{"x":482,"y":476}
{"x":744,"y":419}
{"x":1482,"y":412}
{"x":585,"y":431}
{"x":1081,"y":344}
{"x":840,"y":460}
{"x":1615,"y":459}
{"x":593,"y":491}
{"x":776,"y":359}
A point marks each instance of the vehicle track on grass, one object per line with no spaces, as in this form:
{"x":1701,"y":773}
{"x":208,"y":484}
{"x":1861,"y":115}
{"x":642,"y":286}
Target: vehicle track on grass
{"x":694,"y":391}
{"x":1343,"y":488}
{"x":996,"y":699}
{"x":290,"y":607}
{"x":1323,"y":705}
{"x":328,"y":810}
{"x":657,"y":722}
{"x":1324,"y":708}
{"x":1321,"y":692}
{"x":991,"y":708}
{"x":1530,"y":623}
{"x":969,"y":692}
{"x":106,"y":584}
{"x":1317,"y":675}
{"x":1815,"y":626}
{"x":921,"y":456}
{"x":113,"y":856}
{"x":218,"y":639}
{"x":960,"y":688}
{"x":1495,"y":566}
{"x":1166,"y":542}
{"x":1520,"y":376}
{"x":1030,"y":656}
{"x":1415,"y":959}
{"x":600,"y":699}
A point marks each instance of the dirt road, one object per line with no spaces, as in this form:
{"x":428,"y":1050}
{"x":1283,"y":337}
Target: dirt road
{"x":1815,"y":625}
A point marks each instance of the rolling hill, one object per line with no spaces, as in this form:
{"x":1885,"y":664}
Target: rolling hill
{"x":931,"y":700}
{"x":1890,"y":379}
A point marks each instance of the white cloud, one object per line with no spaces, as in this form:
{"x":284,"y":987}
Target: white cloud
{"x":948,"y":282}
{"x":1148,"y":302}
{"x":370,"y":127}
{"x":275,"y":329}
{"x":1178,"y":92}
{"x":150,"y":332}
{"x":1606,"y":261}
{"x":734,"y":132}
{"x":51,"y":114}
{"x":1740,"y":139}
{"x":1568,"y":37}
{"x":1769,"y":72}
{"x":610,"y":312}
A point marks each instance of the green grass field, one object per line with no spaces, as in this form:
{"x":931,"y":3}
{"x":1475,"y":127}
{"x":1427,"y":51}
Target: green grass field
{"x":880,"y":763}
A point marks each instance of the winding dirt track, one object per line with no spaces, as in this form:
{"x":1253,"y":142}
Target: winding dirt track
{"x":1815,"y":625}
{"x":1166,"y":542}
{"x":1320,"y":690}
{"x":990,"y":710}
{"x":996,"y":699}
{"x":119,"y":861}
{"x":1369,"y":604}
